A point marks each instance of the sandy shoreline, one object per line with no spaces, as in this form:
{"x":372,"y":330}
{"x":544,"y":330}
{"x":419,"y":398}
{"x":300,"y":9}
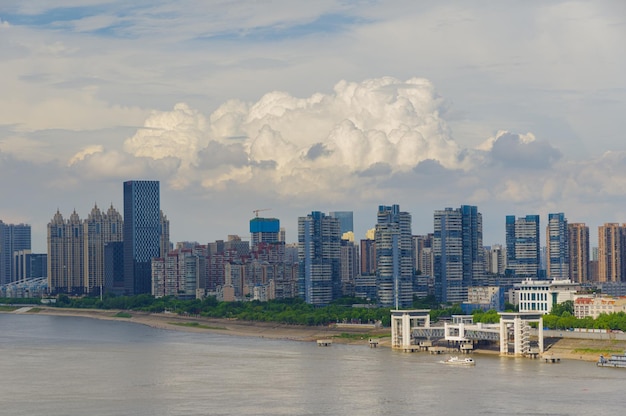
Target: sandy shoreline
{"x":169,"y":321}
{"x":562,"y":348}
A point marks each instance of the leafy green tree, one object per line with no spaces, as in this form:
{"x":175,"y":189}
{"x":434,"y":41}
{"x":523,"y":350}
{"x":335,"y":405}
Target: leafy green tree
{"x":560,"y":308}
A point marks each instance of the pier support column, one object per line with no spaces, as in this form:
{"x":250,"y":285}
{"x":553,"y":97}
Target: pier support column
{"x":406,"y":331}
{"x":517,"y":331}
{"x":504,"y":346}
{"x":540,"y":335}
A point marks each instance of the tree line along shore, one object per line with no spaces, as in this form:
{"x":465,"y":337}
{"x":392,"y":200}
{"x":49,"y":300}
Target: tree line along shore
{"x":294,"y":319}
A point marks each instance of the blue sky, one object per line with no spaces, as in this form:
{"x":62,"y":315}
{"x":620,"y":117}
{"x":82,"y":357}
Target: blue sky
{"x":298,"y":106}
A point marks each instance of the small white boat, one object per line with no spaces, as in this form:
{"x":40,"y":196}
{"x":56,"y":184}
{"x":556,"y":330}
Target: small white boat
{"x":616,"y":360}
{"x":454,"y":360}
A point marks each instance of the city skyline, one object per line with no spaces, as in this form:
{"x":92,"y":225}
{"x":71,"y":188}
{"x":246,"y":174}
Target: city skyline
{"x":247,"y":235}
{"x":299,"y":106}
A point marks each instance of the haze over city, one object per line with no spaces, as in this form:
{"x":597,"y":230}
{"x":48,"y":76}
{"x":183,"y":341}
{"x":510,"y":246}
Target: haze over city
{"x":514,"y":107}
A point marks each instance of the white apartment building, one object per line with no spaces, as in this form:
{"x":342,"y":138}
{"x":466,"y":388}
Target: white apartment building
{"x":542,"y":295}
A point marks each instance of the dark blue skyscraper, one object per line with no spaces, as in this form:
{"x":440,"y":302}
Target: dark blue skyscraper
{"x":13,"y":237}
{"x":319,"y":255}
{"x":458,"y":252}
{"x":523,"y":246}
{"x":142,"y":234}
{"x":557,"y":246}
{"x":394,"y":257}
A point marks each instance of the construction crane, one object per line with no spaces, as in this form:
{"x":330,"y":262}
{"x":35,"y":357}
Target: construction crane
{"x":256,"y":211}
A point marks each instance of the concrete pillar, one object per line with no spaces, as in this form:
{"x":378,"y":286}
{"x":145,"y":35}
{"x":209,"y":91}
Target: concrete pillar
{"x":406,"y":330}
{"x":503,"y":341}
{"x":540,"y":335}
{"x":517,"y":331}
{"x":394,"y":332}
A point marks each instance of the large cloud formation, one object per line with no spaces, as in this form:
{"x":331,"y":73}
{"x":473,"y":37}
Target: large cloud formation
{"x":325,"y":141}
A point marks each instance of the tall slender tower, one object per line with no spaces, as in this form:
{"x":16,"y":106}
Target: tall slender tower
{"x":458,"y":251}
{"x":142,"y":234}
{"x":319,"y":255}
{"x":610,"y":252}
{"x":66,"y":255}
{"x":522,"y":246}
{"x":557,"y":245}
{"x":578,"y":237}
{"x":100,"y":229}
{"x":394,"y":257}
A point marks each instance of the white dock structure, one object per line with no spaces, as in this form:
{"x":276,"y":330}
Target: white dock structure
{"x":514,"y":326}
{"x":402,"y":325}
{"x":513,"y":331}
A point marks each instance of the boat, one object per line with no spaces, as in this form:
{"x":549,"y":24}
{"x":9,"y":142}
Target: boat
{"x":454,"y":360}
{"x":616,"y":360}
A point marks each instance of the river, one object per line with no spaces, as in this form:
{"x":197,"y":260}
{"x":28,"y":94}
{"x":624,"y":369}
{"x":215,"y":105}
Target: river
{"x":56,"y":365}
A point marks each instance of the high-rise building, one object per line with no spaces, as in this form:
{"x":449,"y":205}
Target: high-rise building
{"x":495,"y":259}
{"x":99,"y":228}
{"x":368,"y":254}
{"x":346,"y":220}
{"x":66,"y":255}
{"x":319,"y":255}
{"x":29,"y":265}
{"x":578,"y":238}
{"x":13,"y":237}
{"x":610,"y":252}
{"x":522,"y":246}
{"x":177,"y":274}
{"x":394,"y":257}
{"x":264,"y":230}
{"x":349,"y":266}
{"x":143,"y":230}
{"x":458,"y":252}
{"x":114,"y":268}
{"x":557,"y":247}
{"x":165,"y":246}
{"x":423,"y":254}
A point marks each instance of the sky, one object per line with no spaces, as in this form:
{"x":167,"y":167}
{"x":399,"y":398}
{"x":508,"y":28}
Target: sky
{"x":292,"y":106}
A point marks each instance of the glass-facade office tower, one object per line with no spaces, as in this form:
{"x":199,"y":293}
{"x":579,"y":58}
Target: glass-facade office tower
{"x":13,"y":237}
{"x":522,"y":246}
{"x":346,"y":221}
{"x":458,"y":252}
{"x":319,"y":255}
{"x":557,"y":247}
{"x":394,"y":257}
{"x":142,"y":234}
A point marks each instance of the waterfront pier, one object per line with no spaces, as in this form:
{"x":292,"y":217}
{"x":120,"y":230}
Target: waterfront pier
{"x":411,"y":332}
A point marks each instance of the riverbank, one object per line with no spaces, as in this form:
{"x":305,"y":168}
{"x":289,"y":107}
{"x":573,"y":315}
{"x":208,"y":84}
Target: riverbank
{"x":346,"y":334}
{"x":557,"y":347}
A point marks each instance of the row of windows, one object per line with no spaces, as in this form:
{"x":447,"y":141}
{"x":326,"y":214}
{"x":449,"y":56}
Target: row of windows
{"x":533,"y":296}
{"x":533,"y":306}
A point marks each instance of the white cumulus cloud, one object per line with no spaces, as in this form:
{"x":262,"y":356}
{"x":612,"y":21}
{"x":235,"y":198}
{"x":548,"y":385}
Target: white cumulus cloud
{"x":317,"y":143}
